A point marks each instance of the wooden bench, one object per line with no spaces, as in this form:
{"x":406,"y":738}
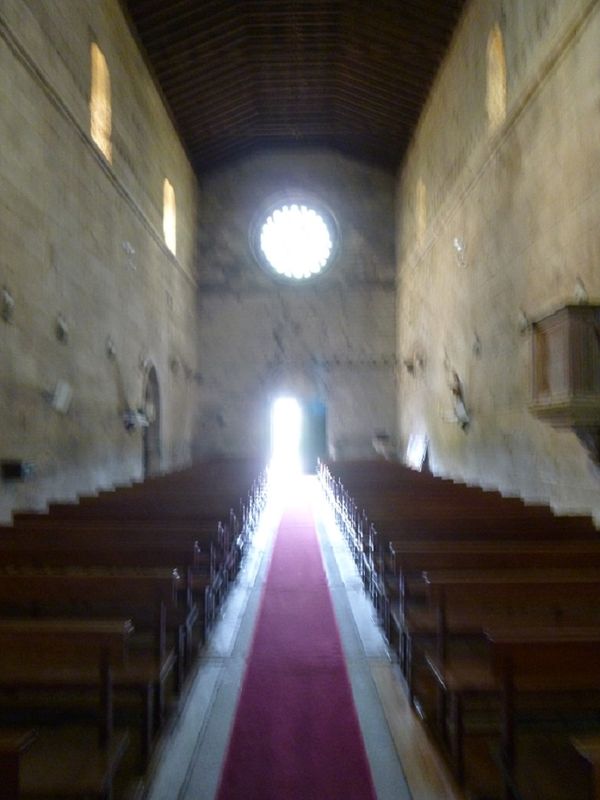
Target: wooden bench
{"x":464,"y":528}
{"x":589,"y":748}
{"x":59,"y":762}
{"x":408,"y":560}
{"x":409,"y":505}
{"x":50,"y":653}
{"x":97,"y":547}
{"x":465,"y":603}
{"x":399,"y":523}
{"x":76,"y":558}
{"x":537,"y":660}
{"x":206,"y":545}
{"x":148,"y":597}
{"x":45,"y":655}
{"x":13,"y":745}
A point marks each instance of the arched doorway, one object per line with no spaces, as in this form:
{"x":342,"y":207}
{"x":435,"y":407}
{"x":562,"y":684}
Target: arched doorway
{"x":151,"y":433}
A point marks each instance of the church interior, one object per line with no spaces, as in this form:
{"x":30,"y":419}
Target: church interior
{"x":365,"y":232}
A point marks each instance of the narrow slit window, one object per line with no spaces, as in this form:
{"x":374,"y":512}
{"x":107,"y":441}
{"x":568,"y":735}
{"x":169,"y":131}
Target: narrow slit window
{"x":100,"y":103}
{"x":169,"y":216}
{"x":496,"y":79}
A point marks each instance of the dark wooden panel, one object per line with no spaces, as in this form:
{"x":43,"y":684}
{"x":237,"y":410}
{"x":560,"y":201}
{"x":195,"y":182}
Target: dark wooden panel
{"x":344,"y":73}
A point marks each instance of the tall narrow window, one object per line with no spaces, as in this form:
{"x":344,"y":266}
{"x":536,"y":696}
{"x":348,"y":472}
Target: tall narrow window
{"x":496,"y":79}
{"x":100,"y":105}
{"x":169,"y":216}
{"x":420,"y":211}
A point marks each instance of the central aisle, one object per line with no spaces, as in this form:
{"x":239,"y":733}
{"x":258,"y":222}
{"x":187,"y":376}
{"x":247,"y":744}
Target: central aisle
{"x":189,"y":761}
{"x":296,"y":734}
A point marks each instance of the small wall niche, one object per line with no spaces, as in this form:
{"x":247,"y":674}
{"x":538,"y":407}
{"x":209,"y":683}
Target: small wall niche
{"x":566,"y":372}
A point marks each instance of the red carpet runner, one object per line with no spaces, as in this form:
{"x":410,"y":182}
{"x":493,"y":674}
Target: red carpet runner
{"x":296,"y":734}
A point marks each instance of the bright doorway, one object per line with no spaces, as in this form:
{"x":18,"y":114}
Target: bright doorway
{"x":286,"y":436}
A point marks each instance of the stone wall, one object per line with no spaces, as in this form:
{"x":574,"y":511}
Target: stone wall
{"x":82,"y":239}
{"x":509,"y":225}
{"x":330,"y":339}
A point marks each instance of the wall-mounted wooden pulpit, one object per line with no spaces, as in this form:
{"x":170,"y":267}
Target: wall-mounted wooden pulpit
{"x":566,"y":372}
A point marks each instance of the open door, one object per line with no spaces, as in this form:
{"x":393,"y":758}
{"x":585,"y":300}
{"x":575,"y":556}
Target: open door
{"x":298,"y":435}
{"x":314,"y":435}
{"x":286,"y":434}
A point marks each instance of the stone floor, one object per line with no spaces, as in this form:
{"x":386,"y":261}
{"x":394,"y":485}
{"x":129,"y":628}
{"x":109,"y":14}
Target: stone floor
{"x":404,"y":765}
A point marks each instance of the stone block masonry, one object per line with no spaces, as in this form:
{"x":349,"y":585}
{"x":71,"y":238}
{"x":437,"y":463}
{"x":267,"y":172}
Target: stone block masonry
{"x":82,"y":239}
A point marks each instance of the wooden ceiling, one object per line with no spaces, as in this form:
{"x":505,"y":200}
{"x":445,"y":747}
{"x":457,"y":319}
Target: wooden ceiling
{"x":243,"y":74}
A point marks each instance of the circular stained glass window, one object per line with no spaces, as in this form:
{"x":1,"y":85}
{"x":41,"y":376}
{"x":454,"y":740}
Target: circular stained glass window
{"x":296,"y":241}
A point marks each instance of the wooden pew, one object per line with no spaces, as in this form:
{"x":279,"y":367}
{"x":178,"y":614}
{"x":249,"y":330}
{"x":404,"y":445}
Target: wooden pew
{"x":408,"y":560}
{"x":217,"y":548}
{"x":538,"y":660}
{"x":162,"y":511}
{"x":464,"y":524}
{"x":404,"y":488}
{"x":148,"y":597}
{"x":400,"y":482}
{"x":467,"y":602}
{"x":197,"y":581}
{"x":377,"y":567}
{"x":435,"y":525}
{"x":410,"y":505}
{"x":589,"y":748}
{"x":45,"y":655}
{"x":108,"y":547}
{"x":13,"y":745}
{"x":194,"y":492}
{"x":198,"y":521}
{"x":61,"y":762}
